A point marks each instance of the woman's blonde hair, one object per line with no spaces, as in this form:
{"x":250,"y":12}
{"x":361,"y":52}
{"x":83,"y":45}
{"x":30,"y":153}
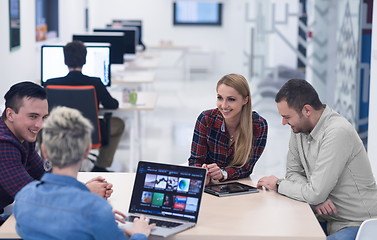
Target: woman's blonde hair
{"x":242,"y":144}
{"x":66,"y":135}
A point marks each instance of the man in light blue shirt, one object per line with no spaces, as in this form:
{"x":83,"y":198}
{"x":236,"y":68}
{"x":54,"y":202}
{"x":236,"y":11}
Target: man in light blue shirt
{"x":60,"y":207}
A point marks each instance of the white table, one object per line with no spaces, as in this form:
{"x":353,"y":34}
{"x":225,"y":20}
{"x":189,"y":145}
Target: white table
{"x":258,"y":216}
{"x":139,"y":79}
{"x":146,"y":101}
{"x":142,"y":63}
{"x":184,"y":49}
{"x":132,"y":77}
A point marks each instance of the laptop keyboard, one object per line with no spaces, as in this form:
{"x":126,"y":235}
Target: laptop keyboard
{"x":158,"y":222}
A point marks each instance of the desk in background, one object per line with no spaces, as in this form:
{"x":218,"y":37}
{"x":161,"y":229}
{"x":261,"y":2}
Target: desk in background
{"x":142,"y":64}
{"x":264,"y":215}
{"x":146,"y":101}
{"x":135,"y":79}
{"x":132,"y":77}
{"x":187,"y":52}
{"x":139,"y":72}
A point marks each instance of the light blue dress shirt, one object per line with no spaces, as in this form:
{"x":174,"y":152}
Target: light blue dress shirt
{"x":60,"y":207}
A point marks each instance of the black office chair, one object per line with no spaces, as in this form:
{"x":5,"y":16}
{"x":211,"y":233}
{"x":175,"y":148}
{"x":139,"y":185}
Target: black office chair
{"x":84,"y":99}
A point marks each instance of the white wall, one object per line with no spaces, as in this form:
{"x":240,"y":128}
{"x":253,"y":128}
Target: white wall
{"x":372,"y":129}
{"x":24,"y":63}
{"x":19,"y":64}
{"x":226,"y":41}
{"x":71,"y":18}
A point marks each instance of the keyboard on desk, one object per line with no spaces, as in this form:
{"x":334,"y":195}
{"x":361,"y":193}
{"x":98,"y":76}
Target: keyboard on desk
{"x":158,"y":222}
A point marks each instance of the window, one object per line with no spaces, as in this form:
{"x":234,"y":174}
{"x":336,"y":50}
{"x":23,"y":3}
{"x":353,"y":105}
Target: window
{"x":47,"y":19}
{"x":14,"y":24}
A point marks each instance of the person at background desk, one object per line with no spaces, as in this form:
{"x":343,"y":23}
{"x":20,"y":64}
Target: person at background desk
{"x":229,"y":140}
{"x":327,"y":165}
{"x":26,"y":108}
{"x":64,"y":207}
{"x":75,"y":58}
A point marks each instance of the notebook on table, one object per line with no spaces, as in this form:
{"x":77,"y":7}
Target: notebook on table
{"x":170,"y":195}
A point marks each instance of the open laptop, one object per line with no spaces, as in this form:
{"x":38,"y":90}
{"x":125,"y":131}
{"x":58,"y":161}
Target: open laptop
{"x":169,"y":195}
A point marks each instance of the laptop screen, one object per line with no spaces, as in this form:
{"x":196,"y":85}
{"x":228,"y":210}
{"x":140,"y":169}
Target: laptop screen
{"x":168,"y":190}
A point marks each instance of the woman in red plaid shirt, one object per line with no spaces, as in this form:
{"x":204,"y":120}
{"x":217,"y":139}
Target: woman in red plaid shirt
{"x":229,"y":140}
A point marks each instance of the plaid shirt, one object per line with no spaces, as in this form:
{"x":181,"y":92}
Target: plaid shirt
{"x":19,"y":165}
{"x":210,"y":143}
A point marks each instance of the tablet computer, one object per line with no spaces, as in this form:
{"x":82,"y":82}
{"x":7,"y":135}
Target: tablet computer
{"x":229,"y":189}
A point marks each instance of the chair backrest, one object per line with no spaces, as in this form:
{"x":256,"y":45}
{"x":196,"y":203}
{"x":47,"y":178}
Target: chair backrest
{"x":82,"y":98}
{"x":367,"y":230}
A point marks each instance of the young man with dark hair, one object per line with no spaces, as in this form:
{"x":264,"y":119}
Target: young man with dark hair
{"x":26,"y":108}
{"x":327,"y":164}
{"x":75,"y":59}
{"x":75,"y":54}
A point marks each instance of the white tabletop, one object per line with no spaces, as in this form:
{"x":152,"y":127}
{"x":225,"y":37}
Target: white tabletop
{"x":263,"y":215}
{"x":132,"y":77}
{"x":145,"y":101}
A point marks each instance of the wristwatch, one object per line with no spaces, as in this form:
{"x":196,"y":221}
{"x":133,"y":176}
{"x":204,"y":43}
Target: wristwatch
{"x":278,"y":183}
{"x":225,"y":174}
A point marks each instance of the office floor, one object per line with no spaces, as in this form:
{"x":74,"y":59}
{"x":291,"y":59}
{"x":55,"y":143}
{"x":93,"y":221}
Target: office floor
{"x":167,"y":130}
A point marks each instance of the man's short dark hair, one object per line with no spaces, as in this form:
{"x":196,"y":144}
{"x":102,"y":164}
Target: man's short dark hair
{"x":13,"y":98}
{"x":297,"y":93}
{"x":75,"y":54}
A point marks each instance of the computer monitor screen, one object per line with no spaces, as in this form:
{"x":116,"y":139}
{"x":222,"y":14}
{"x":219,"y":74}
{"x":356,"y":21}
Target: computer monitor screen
{"x":97,"y":62}
{"x":117,"y":41}
{"x":130,"y":23}
{"x":131,"y":36}
{"x":197,"y":13}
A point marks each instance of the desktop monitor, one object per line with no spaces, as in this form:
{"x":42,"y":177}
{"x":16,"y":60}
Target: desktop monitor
{"x":131,"y":36}
{"x":130,"y":23}
{"x":190,"y":12}
{"x":116,"y":39}
{"x":97,"y":62}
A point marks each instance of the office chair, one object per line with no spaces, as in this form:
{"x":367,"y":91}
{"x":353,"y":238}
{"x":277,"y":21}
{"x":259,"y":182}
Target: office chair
{"x":84,"y":99}
{"x":367,"y":230}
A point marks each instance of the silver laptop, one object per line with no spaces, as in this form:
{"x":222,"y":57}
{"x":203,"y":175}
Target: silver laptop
{"x":169,"y":195}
